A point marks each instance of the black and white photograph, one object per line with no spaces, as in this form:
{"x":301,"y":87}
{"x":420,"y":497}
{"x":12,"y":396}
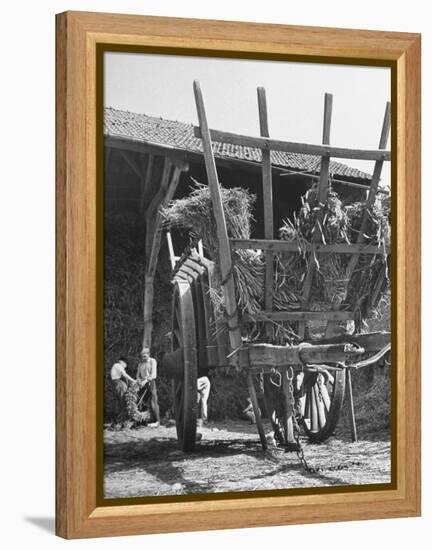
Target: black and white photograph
{"x":247,"y":275}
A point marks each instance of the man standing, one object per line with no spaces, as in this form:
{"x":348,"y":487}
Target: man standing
{"x":147,"y":374}
{"x":203,"y":386}
{"x":120,"y":379}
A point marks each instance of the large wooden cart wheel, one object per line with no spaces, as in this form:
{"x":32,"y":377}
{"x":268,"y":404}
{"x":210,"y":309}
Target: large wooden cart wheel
{"x":321,"y":403}
{"x":185,"y":386}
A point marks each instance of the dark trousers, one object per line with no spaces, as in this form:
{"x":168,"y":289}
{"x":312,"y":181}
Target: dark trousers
{"x":120,"y":388}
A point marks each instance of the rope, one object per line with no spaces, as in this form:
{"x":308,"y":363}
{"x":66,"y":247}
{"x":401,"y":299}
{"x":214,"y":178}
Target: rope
{"x":227,"y":276}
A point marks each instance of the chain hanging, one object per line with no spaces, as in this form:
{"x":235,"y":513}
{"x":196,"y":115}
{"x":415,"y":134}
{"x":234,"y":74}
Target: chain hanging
{"x":296,"y":416}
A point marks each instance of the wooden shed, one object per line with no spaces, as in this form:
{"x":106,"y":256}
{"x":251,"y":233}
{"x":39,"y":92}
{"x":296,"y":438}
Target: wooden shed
{"x":150,"y":160}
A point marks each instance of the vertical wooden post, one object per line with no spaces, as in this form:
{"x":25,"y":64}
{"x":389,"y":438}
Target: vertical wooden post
{"x":153,"y":241}
{"x":225,"y":262}
{"x":148,"y":311}
{"x":369,"y":204}
{"x":267,"y":187}
{"x":351,"y":412}
{"x":145,"y":182}
{"x":322,"y":198}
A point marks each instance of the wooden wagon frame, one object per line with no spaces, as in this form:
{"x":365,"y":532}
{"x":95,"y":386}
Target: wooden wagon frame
{"x":198,"y":343}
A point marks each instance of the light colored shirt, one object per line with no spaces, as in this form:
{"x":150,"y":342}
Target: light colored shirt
{"x":147,"y":370}
{"x":118,"y":370}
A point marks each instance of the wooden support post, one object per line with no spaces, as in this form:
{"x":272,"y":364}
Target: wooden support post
{"x":225,"y":262}
{"x":255,"y":406}
{"x":158,"y":197}
{"x":145,"y":183}
{"x":322,"y":199}
{"x":350,"y":404}
{"x":148,"y":311}
{"x":369,"y":204}
{"x":267,"y":187}
{"x":158,"y":220}
{"x":154,"y":229}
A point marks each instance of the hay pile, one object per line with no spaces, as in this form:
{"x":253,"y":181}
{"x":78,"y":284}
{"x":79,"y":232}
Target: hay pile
{"x":131,"y":403}
{"x":336,"y":223}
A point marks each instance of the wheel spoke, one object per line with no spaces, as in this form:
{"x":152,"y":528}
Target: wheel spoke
{"x":307,"y":413}
{"x":323,"y":403}
{"x":330,"y":378}
{"x":320,"y":406}
{"x":314,"y":412}
{"x":325,"y":397}
{"x":177,"y":317}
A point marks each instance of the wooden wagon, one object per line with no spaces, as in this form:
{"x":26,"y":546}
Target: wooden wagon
{"x":315,"y":374}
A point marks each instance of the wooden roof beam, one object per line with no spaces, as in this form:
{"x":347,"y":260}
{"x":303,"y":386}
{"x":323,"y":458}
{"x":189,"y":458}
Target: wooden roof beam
{"x":293,"y":147}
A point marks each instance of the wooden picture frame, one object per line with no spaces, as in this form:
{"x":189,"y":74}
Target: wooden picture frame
{"x":81,"y":37}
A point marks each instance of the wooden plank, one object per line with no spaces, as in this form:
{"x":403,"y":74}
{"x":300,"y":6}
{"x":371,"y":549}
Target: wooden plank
{"x":225,"y":263}
{"x":148,"y":311}
{"x":300,"y":316}
{"x":157,"y":221}
{"x":291,"y":246}
{"x":159,"y":196}
{"x":369,"y":203}
{"x":278,"y":356}
{"x":322,"y":198}
{"x":293,"y":147}
{"x":267,"y":187}
{"x":152,"y":254}
{"x":145,"y":183}
{"x":325,"y":161}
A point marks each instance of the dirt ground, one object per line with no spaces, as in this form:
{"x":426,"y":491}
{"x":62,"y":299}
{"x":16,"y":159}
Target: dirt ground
{"x":229,"y":458}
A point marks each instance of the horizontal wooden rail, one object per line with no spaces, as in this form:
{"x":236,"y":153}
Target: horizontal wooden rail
{"x":371,"y":341}
{"x":289,"y":246}
{"x":300,"y":316}
{"x":292,"y":147}
{"x":268,"y":355}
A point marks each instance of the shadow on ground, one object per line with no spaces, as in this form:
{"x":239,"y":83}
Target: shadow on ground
{"x":45,"y":523}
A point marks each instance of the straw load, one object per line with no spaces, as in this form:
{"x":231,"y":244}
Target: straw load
{"x":335,"y":222}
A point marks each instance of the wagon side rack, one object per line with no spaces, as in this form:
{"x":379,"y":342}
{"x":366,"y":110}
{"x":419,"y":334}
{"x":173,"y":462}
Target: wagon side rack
{"x":198,"y":341}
